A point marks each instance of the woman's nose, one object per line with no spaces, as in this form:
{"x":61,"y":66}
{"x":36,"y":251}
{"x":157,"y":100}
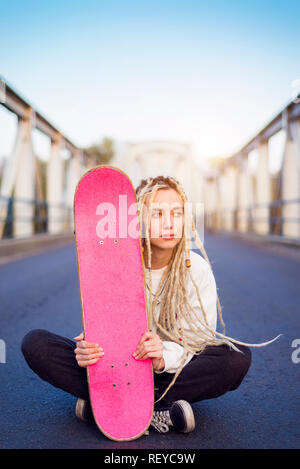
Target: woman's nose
{"x":167,"y":220}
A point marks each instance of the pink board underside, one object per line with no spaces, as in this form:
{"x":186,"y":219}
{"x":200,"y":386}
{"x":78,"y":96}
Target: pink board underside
{"x":113,"y":302}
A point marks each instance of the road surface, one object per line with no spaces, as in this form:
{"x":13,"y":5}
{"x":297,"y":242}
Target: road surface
{"x":259,"y":292}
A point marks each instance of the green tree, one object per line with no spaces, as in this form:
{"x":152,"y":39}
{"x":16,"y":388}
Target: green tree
{"x":102,"y":152}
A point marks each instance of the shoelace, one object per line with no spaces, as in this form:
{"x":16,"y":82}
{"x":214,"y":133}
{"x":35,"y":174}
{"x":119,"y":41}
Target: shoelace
{"x":161,"y":421}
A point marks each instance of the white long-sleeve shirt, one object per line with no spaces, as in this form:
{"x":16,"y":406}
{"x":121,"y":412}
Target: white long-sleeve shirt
{"x":204,"y":279}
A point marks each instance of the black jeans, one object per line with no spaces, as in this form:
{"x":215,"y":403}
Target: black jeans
{"x":212,"y":373}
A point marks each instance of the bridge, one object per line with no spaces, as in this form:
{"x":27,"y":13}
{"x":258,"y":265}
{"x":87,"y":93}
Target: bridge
{"x":251,"y":236}
{"x":240,"y":196}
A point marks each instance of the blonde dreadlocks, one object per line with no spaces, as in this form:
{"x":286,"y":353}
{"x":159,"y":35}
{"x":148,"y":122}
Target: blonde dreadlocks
{"x":175,"y":306}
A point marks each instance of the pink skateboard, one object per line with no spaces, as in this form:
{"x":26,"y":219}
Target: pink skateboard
{"x":113,"y":302}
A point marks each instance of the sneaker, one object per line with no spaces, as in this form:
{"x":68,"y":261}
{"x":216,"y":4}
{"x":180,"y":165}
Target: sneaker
{"x":179,"y":415}
{"x":83,"y":410}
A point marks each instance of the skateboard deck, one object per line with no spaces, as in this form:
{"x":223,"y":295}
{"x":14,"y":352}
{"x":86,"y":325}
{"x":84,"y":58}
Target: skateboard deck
{"x":113,"y":301}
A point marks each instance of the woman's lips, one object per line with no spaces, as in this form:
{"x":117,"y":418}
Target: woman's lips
{"x":172,"y":236}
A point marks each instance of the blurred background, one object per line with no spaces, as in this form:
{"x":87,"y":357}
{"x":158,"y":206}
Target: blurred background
{"x":207,"y":92}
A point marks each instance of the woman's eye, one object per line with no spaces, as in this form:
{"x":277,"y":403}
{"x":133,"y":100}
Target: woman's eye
{"x":158,"y":214}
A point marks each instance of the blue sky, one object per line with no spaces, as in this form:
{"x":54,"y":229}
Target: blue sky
{"x":212,"y":73}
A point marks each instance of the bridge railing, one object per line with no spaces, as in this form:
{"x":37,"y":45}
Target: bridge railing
{"x":239,"y":196}
{"x":248,"y":219}
{"x":37,"y":217}
{"x":21,"y":214}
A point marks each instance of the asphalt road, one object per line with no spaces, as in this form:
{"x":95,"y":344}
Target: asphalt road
{"x":259,"y":292}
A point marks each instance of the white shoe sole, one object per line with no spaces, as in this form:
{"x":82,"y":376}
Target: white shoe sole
{"x":79,"y":409}
{"x":189,"y":414}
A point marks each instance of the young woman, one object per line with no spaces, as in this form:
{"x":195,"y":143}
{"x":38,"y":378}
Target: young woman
{"x":191,"y":360}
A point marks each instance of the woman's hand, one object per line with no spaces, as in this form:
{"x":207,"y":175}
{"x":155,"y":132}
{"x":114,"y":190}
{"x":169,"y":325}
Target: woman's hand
{"x":150,"y":346}
{"x":87,"y":353}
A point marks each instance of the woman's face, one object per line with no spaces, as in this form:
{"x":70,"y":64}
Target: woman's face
{"x":167,"y":218}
